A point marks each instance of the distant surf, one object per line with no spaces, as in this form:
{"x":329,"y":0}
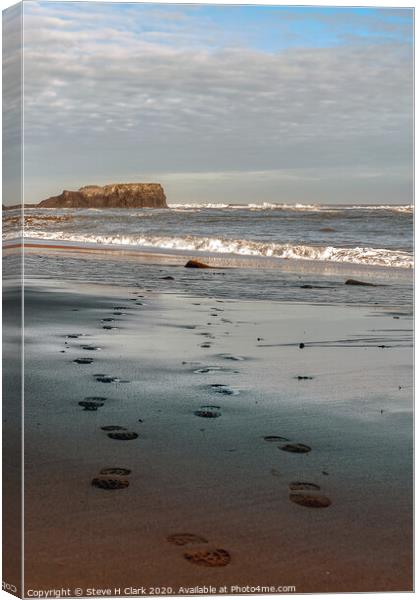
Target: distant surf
{"x":404,"y":208}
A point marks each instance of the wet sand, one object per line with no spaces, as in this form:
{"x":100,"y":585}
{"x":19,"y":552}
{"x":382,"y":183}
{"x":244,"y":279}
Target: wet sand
{"x":203,"y":382}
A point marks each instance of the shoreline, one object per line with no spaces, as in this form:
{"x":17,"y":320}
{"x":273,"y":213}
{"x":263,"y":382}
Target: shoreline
{"x":216,"y":260}
{"x":217,"y":478}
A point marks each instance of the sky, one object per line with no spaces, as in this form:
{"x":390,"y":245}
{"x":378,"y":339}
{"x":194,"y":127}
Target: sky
{"x":220,"y":103}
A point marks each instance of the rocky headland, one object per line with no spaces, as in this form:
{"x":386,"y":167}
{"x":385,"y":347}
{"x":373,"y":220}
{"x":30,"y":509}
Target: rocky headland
{"x":115,"y":195}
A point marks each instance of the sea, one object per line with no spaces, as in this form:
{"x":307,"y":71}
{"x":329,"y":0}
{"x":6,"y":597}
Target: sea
{"x":300,"y":252}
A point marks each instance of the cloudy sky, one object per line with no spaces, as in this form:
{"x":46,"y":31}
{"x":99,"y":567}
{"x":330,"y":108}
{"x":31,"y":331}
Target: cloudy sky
{"x":220,"y":103}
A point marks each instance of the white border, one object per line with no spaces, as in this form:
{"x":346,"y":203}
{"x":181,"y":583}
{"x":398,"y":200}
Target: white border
{"x":382,"y":4}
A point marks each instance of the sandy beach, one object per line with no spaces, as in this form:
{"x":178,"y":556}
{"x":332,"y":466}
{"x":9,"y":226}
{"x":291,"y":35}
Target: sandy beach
{"x":208,"y":264}
{"x":203,"y":381}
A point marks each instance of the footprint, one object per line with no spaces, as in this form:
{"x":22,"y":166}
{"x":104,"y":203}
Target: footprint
{"x":123,"y":435}
{"x":299,"y":486}
{"x":296,"y":448}
{"x":113,"y":428}
{"x":310,"y":501}
{"x":90,"y":405}
{"x":115,"y":471}
{"x":109,"y":379}
{"x":74,"y":336}
{"x":110,"y":483}
{"x":275,"y":438}
{"x":120,"y":308}
{"x":108,"y":320}
{"x":109,"y":327}
{"x":182,"y":539}
{"x":83,"y":361}
{"x":231,"y":357}
{"x":221,"y":388}
{"x":208,"y":369}
{"x":214,"y":369}
{"x":91,"y":348}
{"x":208,"y":412}
{"x":209,"y":558}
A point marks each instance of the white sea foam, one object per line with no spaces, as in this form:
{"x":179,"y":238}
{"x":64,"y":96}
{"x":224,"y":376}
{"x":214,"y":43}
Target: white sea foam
{"x":356,"y":255}
{"x":401,"y":208}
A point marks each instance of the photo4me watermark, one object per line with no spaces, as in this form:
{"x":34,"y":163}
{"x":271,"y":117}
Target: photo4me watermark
{"x":158,"y":591}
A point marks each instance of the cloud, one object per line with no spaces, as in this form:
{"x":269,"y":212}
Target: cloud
{"x":145,"y":89}
{"x":12,"y":105}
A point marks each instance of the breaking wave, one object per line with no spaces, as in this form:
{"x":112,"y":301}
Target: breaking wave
{"x":401,"y":208}
{"x":357,"y":255}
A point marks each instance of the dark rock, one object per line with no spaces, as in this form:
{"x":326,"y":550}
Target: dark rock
{"x":301,"y":345}
{"x":196,"y":264}
{"x":357,"y":282}
{"x":115,"y":195}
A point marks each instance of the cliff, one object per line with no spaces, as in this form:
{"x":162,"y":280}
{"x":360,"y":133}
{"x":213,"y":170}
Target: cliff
{"x":114,"y":195}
